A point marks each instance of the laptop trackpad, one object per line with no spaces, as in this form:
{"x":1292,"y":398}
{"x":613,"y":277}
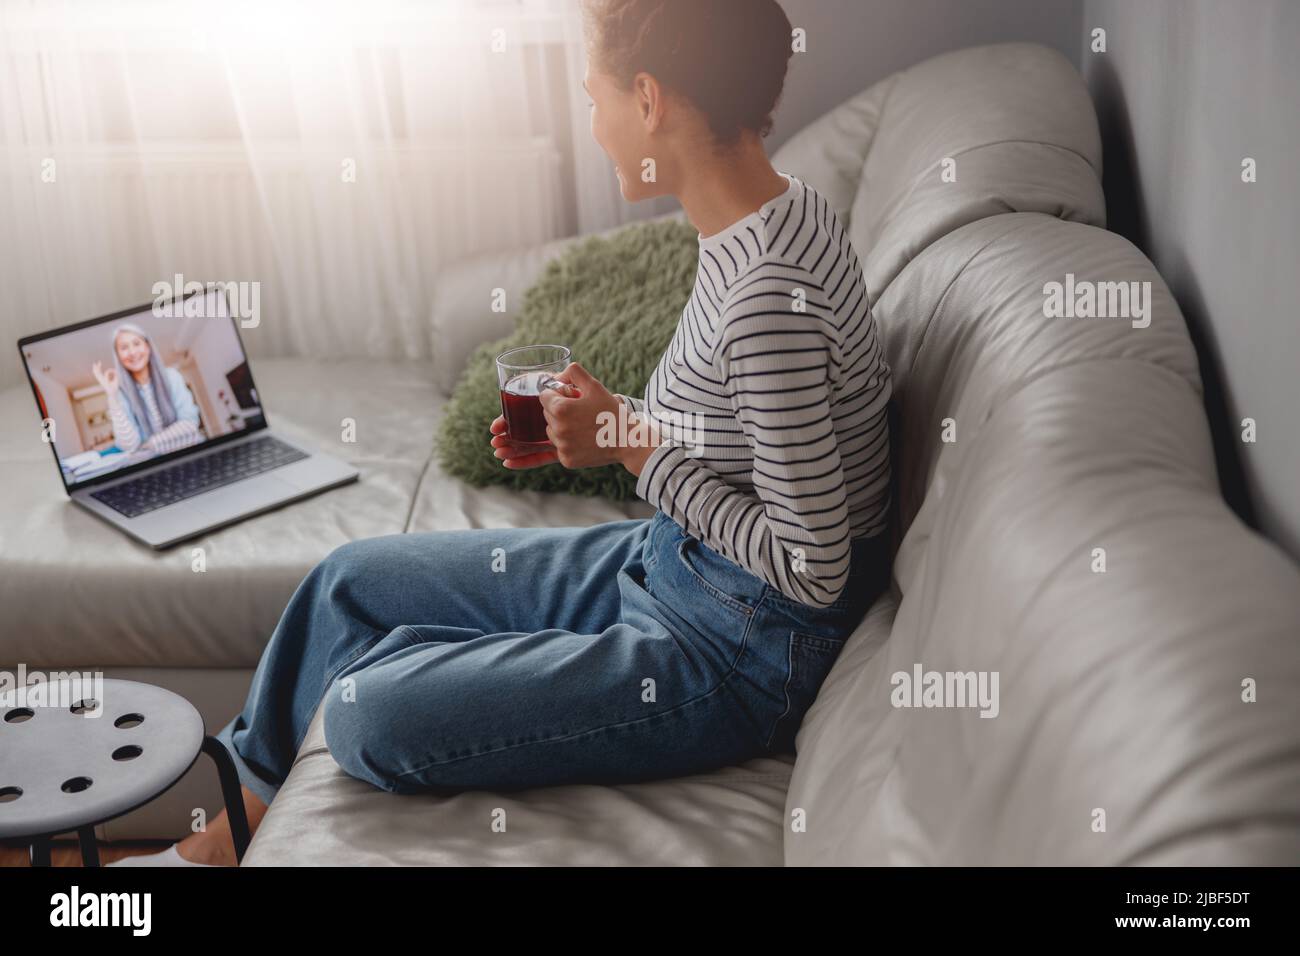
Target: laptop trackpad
{"x":243,"y":497}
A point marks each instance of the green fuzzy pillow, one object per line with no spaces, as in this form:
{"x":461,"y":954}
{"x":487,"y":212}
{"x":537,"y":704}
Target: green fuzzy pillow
{"x":615,"y":303}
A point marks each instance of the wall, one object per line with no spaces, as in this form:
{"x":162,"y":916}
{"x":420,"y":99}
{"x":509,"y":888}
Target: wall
{"x":58,"y":403}
{"x":854,"y":43}
{"x":1185,"y":91}
{"x":216,"y":352}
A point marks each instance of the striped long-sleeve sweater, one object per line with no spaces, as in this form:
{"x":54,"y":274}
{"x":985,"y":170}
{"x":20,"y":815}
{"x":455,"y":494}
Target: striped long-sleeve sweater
{"x":179,"y":434}
{"x":773,"y":397}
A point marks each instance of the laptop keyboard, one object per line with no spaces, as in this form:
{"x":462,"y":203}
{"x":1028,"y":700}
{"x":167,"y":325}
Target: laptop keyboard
{"x":194,"y":476}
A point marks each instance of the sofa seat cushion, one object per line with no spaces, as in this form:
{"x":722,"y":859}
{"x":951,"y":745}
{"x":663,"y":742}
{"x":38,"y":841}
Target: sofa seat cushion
{"x":322,"y":817}
{"x":444,"y":503}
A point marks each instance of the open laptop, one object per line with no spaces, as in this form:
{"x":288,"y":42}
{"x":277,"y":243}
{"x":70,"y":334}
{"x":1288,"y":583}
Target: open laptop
{"x":184,"y":446}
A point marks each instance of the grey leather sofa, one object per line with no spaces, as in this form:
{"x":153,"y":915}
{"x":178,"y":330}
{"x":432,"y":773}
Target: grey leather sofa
{"x":1030,"y":450}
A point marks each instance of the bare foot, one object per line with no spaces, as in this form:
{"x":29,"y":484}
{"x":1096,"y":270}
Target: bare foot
{"x":214,"y":845}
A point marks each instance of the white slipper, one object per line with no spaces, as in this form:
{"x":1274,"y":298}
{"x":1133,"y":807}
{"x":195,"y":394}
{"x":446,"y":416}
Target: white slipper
{"x":168,"y":857}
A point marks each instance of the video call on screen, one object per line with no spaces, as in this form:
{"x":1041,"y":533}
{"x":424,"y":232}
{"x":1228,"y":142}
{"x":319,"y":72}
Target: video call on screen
{"x":129,"y":389}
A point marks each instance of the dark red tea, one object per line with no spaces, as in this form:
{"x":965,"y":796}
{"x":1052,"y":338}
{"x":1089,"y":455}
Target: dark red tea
{"x":522,"y":408}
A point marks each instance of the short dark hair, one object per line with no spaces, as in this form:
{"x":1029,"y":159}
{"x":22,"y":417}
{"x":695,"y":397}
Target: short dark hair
{"x":727,"y":57}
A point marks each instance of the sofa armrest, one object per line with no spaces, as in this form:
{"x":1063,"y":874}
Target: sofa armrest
{"x":462,"y":317}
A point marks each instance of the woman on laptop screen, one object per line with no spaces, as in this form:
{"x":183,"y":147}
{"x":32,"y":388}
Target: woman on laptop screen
{"x":150,"y":406}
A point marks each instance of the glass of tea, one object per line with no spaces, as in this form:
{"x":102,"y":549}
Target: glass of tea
{"x":522,"y":374}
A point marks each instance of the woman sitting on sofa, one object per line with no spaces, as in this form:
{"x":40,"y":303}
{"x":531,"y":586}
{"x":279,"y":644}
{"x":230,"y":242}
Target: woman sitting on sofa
{"x":512,"y":658}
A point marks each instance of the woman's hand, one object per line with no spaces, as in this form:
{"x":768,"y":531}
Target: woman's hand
{"x":572,"y":425}
{"x":107,"y":378}
{"x":579,"y":420}
{"x":518,"y":456}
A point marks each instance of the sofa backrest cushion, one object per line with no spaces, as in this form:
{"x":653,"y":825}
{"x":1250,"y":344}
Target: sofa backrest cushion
{"x":967,"y":324}
{"x":1014,"y":120}
{"x":1072,"y":541}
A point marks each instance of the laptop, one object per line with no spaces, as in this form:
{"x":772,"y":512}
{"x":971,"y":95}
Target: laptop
{"x":157,"y":426}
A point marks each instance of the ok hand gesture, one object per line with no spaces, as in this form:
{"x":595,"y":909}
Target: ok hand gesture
{"x":106,"y":378}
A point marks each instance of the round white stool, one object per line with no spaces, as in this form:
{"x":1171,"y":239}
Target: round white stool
{"x":69,"y":761}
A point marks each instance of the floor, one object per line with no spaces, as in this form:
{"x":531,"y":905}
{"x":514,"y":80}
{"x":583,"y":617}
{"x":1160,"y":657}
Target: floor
{"x":67,"y":853}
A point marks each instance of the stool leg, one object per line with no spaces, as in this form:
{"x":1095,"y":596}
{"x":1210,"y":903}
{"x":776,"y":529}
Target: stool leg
{"x":230,"y":792}
{"x":40,"y":851}
{"x":89,"y":846}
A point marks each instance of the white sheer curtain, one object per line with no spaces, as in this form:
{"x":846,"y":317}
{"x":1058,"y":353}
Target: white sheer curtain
{"x":337,"y":153}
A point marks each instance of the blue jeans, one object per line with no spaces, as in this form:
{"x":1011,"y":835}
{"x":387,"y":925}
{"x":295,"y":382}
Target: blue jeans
{"x":515,"y":658}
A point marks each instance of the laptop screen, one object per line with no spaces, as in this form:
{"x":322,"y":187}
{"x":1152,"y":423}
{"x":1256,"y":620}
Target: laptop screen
{"x":141,"y":386}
